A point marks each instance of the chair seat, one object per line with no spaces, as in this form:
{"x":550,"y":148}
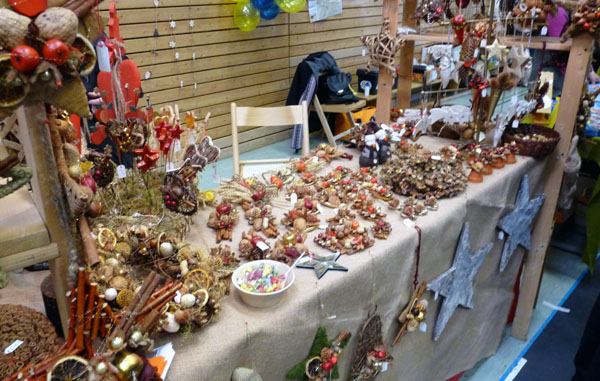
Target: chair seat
{"x":342,"y":108}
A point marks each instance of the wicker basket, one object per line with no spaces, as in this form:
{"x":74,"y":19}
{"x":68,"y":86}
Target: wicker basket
{"x":529,"y":147}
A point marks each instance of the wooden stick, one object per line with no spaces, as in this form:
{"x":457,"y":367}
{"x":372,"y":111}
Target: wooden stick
{"x":73,"y":306}
{"x":96,"y":323}
{"x":80,"y":308}
{"x":167,"y":296}
{"x":89,"y":245}
{"x":149,"y":320}
{"x":90,"y":306}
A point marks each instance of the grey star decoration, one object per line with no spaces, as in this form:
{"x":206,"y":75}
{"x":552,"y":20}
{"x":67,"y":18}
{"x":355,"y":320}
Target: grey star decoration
{"x":456,"y":284}
{"x":517,"y":224}
{"x":322,"y":264}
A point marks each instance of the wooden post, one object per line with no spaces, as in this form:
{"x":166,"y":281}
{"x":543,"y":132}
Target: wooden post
{"x":385,"y":83}
{"x":48,"y":196}
{"x":542,"y":231}
{"x":406,"y":58}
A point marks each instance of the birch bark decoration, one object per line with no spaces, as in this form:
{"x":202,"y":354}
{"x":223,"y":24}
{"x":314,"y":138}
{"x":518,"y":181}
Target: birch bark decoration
{"x":517,"y":224}
{"x":456,"y":284}
{"x":382,"y":48}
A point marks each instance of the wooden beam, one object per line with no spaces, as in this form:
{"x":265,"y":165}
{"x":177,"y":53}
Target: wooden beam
{"x":552,"y":43}
{"x":29,"y":257}
{"x":406,"y":58}
{"x":48,"y":195}
{"x":385,"y":83}
{"x":542,"y":231}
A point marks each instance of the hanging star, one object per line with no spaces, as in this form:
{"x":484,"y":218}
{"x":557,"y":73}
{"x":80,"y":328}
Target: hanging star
{"x":496,"y":50}
{"x":148,"y":156}
{"x":322,"y":264}
{"x":172,"y":24}
{"x":514,"y":62}
{"x":456,"y":284}
{"x":383,"y":48}
{"x":172,"y":44}
{"x":192,"y":23}
{"x":517,"y":224}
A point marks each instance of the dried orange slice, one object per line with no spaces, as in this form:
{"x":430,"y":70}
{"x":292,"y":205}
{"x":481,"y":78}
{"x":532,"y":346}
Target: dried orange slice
{"x":196,"y":280}
{"x":107,"y":239}
{"x":12,"y":92}
{"x":70,"y":368}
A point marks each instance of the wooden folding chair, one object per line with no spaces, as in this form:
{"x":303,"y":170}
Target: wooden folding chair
{"x":266,"y":116}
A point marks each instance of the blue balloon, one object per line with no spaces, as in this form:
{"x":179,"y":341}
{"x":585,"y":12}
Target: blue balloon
{"x":271,"y":13}
{"x":262,"y":5}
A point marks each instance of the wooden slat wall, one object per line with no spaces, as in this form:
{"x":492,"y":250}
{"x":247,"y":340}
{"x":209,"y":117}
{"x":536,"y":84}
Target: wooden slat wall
{"x":249,"y":68}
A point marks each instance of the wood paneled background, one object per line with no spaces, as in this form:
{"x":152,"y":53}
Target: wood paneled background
{"x":250,"y":68}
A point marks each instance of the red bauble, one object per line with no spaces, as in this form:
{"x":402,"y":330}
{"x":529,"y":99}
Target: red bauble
{"x":224,"y":209}
{"x":308,"y":204}
{"x":371,"y":209}
{"x":325,"y":184}
{"x":29,"y":7}
{"x":88,"y":181}
{"x":258,"y":195}
{"x":381,"y":354}
{"x":334,"y":360}
{"x":24,"y":58}
{"x":327,"y":366}
{"x":56,"y":52}
{"x":458,"y":20}
{"x":586,"y":26}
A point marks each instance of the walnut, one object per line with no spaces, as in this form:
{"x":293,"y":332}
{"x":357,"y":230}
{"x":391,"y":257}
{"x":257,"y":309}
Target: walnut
{"x":58,"y":24}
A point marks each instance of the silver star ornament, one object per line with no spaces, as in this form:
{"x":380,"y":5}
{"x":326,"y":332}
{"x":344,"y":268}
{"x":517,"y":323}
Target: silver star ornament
{"x":322,"y":264}
{"x":517,"y":224}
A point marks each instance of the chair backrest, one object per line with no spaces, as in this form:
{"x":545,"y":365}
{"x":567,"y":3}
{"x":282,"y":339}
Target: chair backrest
{"x":267,"y":116}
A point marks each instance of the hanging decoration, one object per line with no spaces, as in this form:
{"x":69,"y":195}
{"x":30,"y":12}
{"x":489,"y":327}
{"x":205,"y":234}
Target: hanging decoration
{"x":430,"y":11}
{"x":371,"y":357}
{"x":383,"y":48}
{"x":585,"y":19}
{"x":456,"y":284}
{"x":322,"y":360}
{"x":517,"y":224}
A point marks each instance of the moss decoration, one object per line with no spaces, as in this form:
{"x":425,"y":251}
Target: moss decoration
{"x":321,"y":341}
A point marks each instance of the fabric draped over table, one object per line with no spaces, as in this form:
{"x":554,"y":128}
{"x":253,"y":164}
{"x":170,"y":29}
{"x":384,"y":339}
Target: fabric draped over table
{"x":273,"y":340}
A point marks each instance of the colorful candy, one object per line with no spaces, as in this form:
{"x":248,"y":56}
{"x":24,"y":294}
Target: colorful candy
{"x":262,"y":279}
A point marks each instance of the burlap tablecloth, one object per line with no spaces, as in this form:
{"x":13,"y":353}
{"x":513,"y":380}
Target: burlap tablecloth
{"x":273,"y":340}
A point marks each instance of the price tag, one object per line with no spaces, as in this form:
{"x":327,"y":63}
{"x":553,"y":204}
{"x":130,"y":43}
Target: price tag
{"x":478,"y":150}
{"x":483,"y":43}
{"x":484,"y":93}
{"x":320,"y":209}
{"x":436,"y":157}
{"x":500,"y":235}
{"x":13,"y":347}
{"x":102,"y":57}
{"x":293,"y":199}
{"x":423,"y":327}
{"x":515,"y":123}
{"x":176,"y":145}
{"x":261,"y":245}
{"x":476,"y":53}
{"x":384,"y":367}
{"x":121,"y":171}
{"x":408,"y":222}
{"x":544,"y":31}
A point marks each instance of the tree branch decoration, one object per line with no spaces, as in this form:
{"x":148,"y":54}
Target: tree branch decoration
{"x":383,"y":48}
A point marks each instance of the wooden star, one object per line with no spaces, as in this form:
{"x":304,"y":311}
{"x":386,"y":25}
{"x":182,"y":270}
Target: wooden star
{"x":496,"y":50}
{"x":149,"y":157}
{"x":456,"y":284}
{"x":514,"y":62}
{"x":322,"y":264}
{"x":383,"y":48}
{"x":517,"y":224}
{"x":176,"y":132}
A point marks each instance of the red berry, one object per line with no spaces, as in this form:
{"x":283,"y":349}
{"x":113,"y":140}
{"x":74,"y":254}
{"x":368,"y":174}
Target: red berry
{"x":56,"y":52}
{"x":327,"y":366}
{"x":438,"y":10}
{"x":362,"y":197}
{"x":334,"y":360}
{"x":382,"y":190}
{"x":374,"y":180}
{"x":381,"y":354}
{"x":586,"y":25}
{"x":224,"y":209}
{"x":339,"y":168}
{"x":308,"y":204}
{"x":325,"y":184}
{"x":371,"y":209}
{"x":24,"y":58}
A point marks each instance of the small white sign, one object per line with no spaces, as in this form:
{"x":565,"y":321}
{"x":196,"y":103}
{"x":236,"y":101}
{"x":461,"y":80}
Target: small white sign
{"x":176,"y":145}
{"x":484,"y":93}
{"x":121,"y":171}
{"x":293,"y":199}
{"x":261,"y":245}
{"x":500,"y":235}
{"x":384,"y":367}
{"x":483,"y":43}
{"x":544,"y":31}
{"x":423,"y":327}
{"x":515,"y":123}
{"x":13,"y":347}
{"x":436,"y":157}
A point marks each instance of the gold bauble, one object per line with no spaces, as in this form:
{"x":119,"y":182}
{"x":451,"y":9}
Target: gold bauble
{"x":128,"y":363}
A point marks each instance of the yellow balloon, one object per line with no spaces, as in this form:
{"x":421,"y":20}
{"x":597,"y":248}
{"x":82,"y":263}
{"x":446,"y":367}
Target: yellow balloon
{"x":245,"y":16}
{"x":291,"y":6}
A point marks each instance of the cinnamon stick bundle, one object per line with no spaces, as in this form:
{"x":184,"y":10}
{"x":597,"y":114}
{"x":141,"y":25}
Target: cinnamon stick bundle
{"x":89,"y":245}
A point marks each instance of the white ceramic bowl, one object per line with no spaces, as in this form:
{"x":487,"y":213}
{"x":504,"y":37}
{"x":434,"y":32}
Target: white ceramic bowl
{"x":261,"y":300}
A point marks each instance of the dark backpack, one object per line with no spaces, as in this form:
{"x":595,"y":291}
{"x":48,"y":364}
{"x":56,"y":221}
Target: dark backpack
{"x":334,"y":88}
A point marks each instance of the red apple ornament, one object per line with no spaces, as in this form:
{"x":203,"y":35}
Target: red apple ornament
{"x":24,"y":58}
